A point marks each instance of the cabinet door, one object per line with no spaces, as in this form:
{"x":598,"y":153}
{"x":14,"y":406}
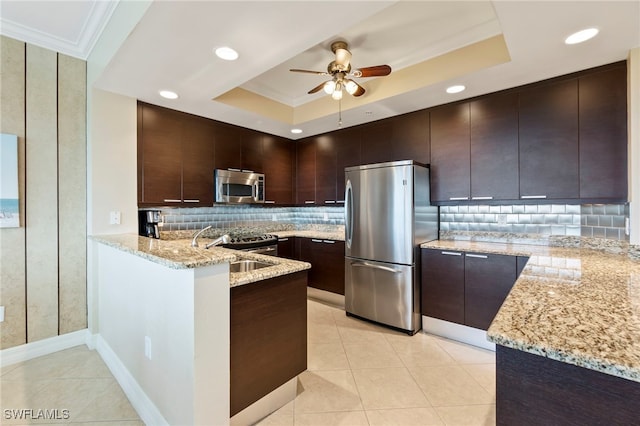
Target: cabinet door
{"x":347,"y":146}
{"x":327,"y":263}
{"x":161,"y":159}
{"x":228,"y":147}
{"x":197,"y":167}
{"x":252,"y":151}
{"x":450,"y":153}
{"x":603,"y":134}
{"x":410,"y":138}
{"x":286,"y":247}
{"x":443,"y":285}
{"x":306,"y":172}
{"x":279,"y":154}
{"x":325,"y":170}
{"x":375,"y":142}
{"x":488,"y":280}
{"x":494,"y":147}
{"x":548,"y":135}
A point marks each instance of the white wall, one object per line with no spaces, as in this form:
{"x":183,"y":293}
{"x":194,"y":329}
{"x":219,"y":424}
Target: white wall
{"x":633,"y":75}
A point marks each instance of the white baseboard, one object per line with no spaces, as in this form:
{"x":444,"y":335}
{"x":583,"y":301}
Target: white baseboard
{"x":461,"y":333}
{"x":44,"y":347}
{"x":145,"y":408}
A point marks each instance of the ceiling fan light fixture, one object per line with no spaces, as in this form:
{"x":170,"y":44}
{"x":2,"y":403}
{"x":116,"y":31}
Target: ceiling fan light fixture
{"x":329,"y":87}
{"x":337,"y":95}
{"x":351,"y":87}
{"x":226,"y":53}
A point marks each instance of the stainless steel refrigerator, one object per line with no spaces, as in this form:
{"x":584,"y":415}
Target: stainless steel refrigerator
{"x":387,"y":216}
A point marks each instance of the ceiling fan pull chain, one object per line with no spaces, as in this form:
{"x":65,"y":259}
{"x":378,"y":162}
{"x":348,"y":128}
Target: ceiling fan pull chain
{"x":340,"y":113}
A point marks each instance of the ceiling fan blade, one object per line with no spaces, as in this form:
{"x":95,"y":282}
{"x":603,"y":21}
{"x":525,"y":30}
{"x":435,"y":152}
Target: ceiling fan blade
{"x":317,"y":88}
{"x":377,"y":71}
{"x":359,"y":91}
{"x":310,"y":72}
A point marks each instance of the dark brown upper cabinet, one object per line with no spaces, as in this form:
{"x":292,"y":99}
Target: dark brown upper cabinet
{"x":197,"y":161}
{"x":603,"y":134}
{"x":278,"y":169}
{"x":228,"y":147}
{"x":549,"y":148}
{"x":494,"y":147}
{"x":410,"y":137}
{"x":375,"y":142}
{"x":252,"y":151}
{"x":450,"y":153}
{"x":306,"y":172}
{"x":326,"y":165}
{"x":347,"y":146}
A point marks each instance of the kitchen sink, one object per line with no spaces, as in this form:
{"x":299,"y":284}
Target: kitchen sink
{"x":247,"y":265}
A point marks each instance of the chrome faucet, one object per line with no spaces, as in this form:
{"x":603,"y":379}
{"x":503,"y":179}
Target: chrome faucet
{"x":223,"y":239}
{"x":194,"y":242}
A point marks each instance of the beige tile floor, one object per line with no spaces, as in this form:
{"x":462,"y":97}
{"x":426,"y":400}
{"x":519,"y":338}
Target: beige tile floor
{"x":76,"y":380}
{"x":362,"y":374}
{"x":358,"y":374}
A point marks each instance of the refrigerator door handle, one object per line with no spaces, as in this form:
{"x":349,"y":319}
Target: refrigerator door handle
{"x":348,"y":208}
{"x":369,"y":265}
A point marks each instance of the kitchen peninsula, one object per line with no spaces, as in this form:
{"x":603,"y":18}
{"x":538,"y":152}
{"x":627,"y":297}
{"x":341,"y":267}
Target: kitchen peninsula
{"x":567,"y":336}
{"x":181,"y":330}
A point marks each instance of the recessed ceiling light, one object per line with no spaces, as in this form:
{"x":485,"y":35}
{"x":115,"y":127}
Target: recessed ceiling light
{"x":581,"y":36}
{"x":168,"y":94}
{"x":455,"y":89}
{"x":226,"y":53}
{"x":296,"y":131}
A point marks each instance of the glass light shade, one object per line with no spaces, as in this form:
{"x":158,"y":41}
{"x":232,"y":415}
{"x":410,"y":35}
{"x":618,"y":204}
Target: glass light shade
{"x":337,"y":94}
{"x":329,"y":87}
{"x":351,"y":87}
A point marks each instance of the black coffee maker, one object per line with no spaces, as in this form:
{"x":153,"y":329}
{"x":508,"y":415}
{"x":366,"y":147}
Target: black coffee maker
{"x":148,"y":221}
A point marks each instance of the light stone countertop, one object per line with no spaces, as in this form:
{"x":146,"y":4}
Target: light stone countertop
{"x":578,"y":306}
{"x":178,"y":254}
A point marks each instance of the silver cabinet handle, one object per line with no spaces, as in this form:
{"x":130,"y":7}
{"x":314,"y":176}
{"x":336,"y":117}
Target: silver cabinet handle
{"x":269,"y":202}
{"x":458,"y":198}
{"x":191,"y":201}
{"x":482,"y":198}
{"x":309,"y":202}
{"x":328,"y":241}
{"x":451,"y":253}
{"x":479,"y":256}
{"x":169,"y":200}
{"x":247,"y":171}
{"x":313,"y":240}
{"x":329,"y":201}
{"x":261,"y":250}
{"x":525,"y":197}
{"x":340,"y":201}
{"x":283,"y":239}
{"x":369,"y":265}
{"x":233,"y":169}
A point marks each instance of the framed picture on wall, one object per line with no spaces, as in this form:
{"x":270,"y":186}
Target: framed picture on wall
{"x":9,"y":193}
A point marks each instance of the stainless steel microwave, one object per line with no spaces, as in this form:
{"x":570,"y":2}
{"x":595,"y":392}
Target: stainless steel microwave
{"x":238,"y":186}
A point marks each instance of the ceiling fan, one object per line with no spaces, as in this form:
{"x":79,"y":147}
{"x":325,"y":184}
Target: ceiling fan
{"x":340,"y":69}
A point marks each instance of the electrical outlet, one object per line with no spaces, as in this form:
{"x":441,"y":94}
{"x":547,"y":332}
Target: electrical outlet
{"x":147,"y":346}
{"x":326,"y":217}
{"x":502,"y":219}
{"x":1,"y":313}
{"x":114,"y":218}
{"x":274,"y":218}
{"x":626,"y":226}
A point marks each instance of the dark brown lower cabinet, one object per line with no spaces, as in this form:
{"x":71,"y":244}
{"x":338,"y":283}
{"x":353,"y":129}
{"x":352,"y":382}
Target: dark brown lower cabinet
{"x":466,"y":288}
{"x":327,"y":263}
{"x":286,"y":247}
{"x":534,"y":390}
{"x":268,"y":336}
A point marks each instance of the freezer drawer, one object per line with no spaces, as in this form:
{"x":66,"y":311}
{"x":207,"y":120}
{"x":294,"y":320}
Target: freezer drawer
{"x":383,"y":292}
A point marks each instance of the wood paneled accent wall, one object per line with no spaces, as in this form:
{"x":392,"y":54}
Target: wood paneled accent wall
{"x":43,"y":263}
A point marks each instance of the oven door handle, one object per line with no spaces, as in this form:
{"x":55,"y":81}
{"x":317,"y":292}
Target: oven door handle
{"x":261,"y":250}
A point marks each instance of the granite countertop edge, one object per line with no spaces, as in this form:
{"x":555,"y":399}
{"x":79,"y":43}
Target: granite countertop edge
{"x":178,"y":254}
{"x":498,"y":333}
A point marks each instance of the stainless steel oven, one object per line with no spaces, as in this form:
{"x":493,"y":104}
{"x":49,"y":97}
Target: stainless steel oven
{"x":259,"y":244}
{"x":239,"y":186}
